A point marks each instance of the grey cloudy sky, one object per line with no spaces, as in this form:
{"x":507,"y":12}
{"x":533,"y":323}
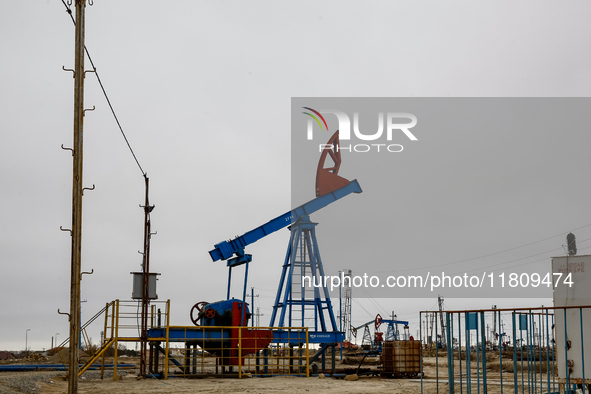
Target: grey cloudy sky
{"x":203,"y":92}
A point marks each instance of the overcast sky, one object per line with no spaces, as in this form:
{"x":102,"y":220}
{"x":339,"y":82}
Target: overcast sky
{"x":203,"y":92}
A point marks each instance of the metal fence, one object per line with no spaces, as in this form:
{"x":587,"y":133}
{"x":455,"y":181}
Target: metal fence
{"x":534,"y":350}
{"x":202,"y":351}
{"x":197,"y":351}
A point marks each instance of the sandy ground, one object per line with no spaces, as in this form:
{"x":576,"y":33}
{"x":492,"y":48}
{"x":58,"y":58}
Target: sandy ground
{"x":132,"y":385}
{"x":54,"y":382}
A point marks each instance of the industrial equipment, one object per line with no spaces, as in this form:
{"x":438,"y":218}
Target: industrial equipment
{"x":373,"y":345}
{"x":392,"y":333}
{"x":302,"y":253}
{"x":401,"y":359}
{"x":230,"y":313}
{"x":367,"y":340}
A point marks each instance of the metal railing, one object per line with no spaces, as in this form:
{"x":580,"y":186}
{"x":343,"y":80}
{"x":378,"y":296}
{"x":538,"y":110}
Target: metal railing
{"x":190,"y":351}
{"x":531,"y":350}
{"x":229,"y":351}
{"x":121,"y":324}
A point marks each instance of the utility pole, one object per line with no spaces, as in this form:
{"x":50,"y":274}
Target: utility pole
{"x":494,"y":327}
{"x":252,"y":296}
{"x":443,"y":338}
{"x":346,"y":311}
{"x":27,"y":341}
{"x":340,"y":308}
{"x":146,"y":278}
{"x":431,"y":318}
{"x":258,"y":315}
{"x":76,"y":231}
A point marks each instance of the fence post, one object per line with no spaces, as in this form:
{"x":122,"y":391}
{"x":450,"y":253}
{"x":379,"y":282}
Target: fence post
{"x":421,"y":339}
{"x":240,"y":353}
{"x":468,"y":354}
{"x":500,"y":350}
{"x":582,"y":349}
{"x":116,"y":340}
{"x":437,"y":354}
{"x":307,"y":354}
{"x":548,"y":353}
{"x":167,"y":317}
{"x":483,"y":336}
{"x":460,"y":347}
{"x":450,"y":353}
{"x":514,"y":353}
{"x":566,"y":387}
{"x":477,"y":354}
{"x":104,"y":339}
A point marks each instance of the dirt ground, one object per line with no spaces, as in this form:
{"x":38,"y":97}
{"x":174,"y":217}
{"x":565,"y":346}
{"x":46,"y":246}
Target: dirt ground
{"x":130,"y":383}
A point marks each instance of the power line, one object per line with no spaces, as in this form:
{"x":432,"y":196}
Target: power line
{"x":69,"y":11}
{"x":523,"y":258}
{"x":366,"y":311}
{"x":488,"y":255}
{"x":531,"y":262}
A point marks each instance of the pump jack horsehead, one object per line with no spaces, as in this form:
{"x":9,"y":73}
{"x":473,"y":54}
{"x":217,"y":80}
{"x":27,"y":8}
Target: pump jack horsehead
{"x":327,"y":179}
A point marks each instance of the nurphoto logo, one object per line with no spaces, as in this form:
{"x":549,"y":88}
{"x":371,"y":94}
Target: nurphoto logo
{"x":396,"y":122}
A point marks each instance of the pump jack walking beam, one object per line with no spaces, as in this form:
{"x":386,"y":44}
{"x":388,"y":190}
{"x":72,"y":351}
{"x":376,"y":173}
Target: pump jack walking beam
{"x":330,"y":187}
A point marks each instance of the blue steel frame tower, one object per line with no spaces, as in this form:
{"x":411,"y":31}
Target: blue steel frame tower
{"x":295,"y":303}
{"x":303,"y":239}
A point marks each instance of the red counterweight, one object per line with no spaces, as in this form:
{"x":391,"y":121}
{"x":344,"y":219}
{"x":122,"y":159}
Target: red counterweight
{"x":327,"y":179}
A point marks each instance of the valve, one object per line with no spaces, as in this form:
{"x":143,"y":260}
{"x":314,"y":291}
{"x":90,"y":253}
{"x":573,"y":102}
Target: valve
{"x":210,"y":313}
{"x":197,"y":307}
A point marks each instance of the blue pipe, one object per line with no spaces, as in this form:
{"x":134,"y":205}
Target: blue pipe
{"x":55,"y":367}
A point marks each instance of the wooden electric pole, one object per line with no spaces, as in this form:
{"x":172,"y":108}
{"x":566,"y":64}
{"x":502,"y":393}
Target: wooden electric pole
{"x":145,"y":279}
{"x":77,"y":199}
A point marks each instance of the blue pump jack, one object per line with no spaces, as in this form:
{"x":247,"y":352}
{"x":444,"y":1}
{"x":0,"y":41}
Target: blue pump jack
{"x":302,"y":257}
{"x":302,"y":233}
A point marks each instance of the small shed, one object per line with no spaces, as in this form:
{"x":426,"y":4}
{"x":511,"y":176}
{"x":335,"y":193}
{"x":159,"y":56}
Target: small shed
{"x":6,"y":356}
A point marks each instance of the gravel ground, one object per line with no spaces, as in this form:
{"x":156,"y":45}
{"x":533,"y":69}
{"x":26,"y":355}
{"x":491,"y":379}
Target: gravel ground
{"x":28,"y":382}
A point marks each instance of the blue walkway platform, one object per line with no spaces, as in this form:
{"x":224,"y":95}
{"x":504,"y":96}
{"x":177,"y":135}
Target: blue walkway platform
{"x":184,"y":334}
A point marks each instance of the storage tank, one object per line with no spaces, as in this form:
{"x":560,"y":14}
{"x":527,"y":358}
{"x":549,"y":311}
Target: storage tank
{"x":401,"y":358}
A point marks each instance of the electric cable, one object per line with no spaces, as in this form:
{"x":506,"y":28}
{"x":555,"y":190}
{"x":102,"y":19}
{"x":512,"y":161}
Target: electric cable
{"x":490,"y":254}
{"x":69,"y":11}
{"x":523,"y":258}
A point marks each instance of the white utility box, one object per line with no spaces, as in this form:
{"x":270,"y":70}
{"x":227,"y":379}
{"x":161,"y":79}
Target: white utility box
{"x":575,"y":269}
{"x":138,"y":282}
